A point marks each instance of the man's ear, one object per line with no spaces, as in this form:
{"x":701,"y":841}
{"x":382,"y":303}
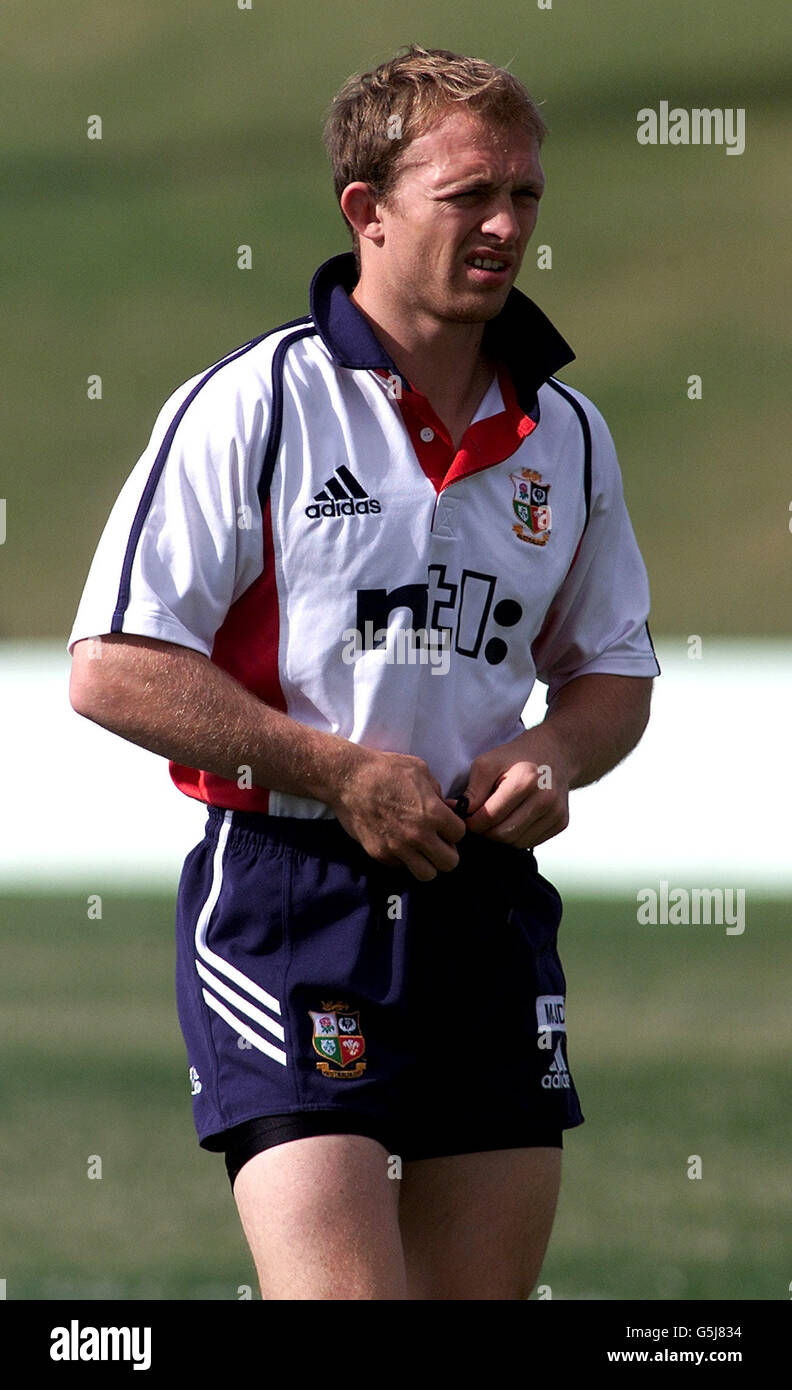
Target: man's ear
{"x":362,"y":210}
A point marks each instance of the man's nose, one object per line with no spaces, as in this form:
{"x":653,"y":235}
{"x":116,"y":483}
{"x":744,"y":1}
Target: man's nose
{"x":501,"y":221}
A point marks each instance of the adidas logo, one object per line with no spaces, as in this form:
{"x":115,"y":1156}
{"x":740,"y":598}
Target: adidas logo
{"x":557,"y":1077}
{"x":342,"y":495}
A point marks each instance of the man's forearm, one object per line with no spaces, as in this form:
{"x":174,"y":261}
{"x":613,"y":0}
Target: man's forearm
{"x":178,"y":704}
{"x":596,"y":721}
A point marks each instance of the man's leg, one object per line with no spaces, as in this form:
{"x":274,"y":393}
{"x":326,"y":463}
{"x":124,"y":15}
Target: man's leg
{"x":476,"y":1226}
{"x":321,"y":1219}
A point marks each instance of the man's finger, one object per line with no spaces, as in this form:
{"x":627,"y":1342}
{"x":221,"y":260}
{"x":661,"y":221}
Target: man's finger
{"x":505,"y":801}
{"x":449,"y":825}
{"x":479,"y":785}
{"x":442,"y":855}
{"x":528,"y":831}
{"x":520,"y":819}
{"x":419,"y":866}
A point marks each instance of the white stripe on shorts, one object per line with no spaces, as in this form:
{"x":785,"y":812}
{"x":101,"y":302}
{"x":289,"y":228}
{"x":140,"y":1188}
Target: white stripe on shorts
{"x":202,"y":926}
{"x":244,"y":1007}
{"x":243,"y":1029}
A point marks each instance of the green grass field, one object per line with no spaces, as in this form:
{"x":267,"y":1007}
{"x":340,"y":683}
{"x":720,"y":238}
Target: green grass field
{"x":680,"y":1040}
{"x":120,"y":254}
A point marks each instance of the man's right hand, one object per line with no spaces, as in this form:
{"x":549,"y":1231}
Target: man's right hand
{"x":391,"y":804}
{"x":177,"y":703}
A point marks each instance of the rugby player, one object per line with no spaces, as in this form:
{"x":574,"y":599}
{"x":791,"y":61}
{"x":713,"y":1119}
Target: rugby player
{"x":324,"y":595}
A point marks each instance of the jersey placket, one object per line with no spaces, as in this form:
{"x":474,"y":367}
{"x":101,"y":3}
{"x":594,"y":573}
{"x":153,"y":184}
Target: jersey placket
{"x":485,"y":442}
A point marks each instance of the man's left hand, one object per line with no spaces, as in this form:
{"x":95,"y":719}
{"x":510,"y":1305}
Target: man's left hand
{"x":518,"y":793}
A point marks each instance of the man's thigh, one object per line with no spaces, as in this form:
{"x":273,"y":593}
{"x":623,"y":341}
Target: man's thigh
{"x":476,"y":1226}
{"x":321,"y":1219}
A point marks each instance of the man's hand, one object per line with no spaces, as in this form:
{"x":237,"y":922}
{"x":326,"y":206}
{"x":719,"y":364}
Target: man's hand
{"x":392,"y":805}
{"x":518,"y":793}
{"x":177,"y":703}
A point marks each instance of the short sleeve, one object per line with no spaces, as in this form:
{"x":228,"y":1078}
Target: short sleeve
{"x":597,"y":622}
{"x":184,"y":539}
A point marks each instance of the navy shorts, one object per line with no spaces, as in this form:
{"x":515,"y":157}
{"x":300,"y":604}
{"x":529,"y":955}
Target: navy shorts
{"x":320,"y":992}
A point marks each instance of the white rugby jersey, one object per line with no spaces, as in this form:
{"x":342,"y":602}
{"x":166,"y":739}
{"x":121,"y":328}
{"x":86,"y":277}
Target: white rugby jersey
{"x":301,"y":517}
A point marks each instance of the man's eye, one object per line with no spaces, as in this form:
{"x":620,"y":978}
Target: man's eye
{"x":474,"y":194}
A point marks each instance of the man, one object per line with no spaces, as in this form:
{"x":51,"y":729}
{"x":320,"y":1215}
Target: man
{"x":324,"y":594}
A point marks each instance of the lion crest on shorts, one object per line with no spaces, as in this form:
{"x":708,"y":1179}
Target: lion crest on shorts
{"x":338,"y":1041}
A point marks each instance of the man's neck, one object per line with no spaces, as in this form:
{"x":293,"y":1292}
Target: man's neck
{"x":442,"y":360}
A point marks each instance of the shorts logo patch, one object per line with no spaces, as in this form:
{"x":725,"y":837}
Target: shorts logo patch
{"x":550,"y":1012}
{"x":556,"y":1077}
{"x":550,"y":1020}
{"x":338,"y":1041}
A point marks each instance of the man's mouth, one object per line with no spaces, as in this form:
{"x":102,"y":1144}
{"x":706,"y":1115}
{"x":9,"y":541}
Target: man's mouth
{"x":487,"y":270}
{"x":486,"y":263}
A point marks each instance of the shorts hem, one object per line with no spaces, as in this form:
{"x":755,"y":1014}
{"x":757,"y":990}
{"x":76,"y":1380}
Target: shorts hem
{"x":245,"y":1140}
{"x":522,"y":1137}
{"x":217,"y":1140}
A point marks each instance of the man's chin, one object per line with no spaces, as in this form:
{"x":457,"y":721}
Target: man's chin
{"x":464,"y":306}
{"x":478,"y":304}
{"x":478,"y":310}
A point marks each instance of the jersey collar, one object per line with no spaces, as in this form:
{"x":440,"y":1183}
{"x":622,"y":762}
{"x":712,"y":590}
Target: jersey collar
{"x":521,"y":336}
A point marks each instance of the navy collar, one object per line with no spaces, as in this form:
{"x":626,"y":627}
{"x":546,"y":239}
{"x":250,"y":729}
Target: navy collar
{"x":521,"y":336}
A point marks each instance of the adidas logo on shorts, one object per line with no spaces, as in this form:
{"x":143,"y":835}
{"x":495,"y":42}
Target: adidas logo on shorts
{"x":342,"y":495}
{"x":557,"y":1076}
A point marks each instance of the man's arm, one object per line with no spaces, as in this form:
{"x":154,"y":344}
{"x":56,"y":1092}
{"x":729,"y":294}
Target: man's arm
{"x":519,"y":792}
{"x":177,"y":703}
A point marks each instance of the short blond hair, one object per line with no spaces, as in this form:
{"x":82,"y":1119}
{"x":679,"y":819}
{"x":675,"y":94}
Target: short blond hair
{"x":376,"y":114}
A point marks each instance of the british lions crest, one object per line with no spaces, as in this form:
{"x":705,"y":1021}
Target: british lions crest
{"x":338,"y":1041}
{"x":531,"y":507}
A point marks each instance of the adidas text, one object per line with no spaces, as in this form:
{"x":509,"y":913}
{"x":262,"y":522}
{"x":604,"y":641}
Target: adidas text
{"x":555,"y":1082}
{"x":316,"y":510}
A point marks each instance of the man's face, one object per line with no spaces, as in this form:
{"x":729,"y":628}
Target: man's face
{"x":466,"y":191}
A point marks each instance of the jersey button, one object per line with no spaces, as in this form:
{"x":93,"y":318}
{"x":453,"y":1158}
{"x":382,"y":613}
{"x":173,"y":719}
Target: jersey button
{"x":427,"y":435}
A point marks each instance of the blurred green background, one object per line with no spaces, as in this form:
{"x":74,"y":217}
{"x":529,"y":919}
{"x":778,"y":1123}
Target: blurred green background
{"x":120,"y":259}
{"x":120,"y":254}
